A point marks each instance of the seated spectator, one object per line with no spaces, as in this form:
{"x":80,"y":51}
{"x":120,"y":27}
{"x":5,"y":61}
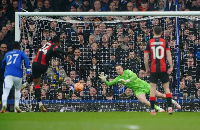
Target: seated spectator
{"x":128,"y":94}
{"x":103,"y":90}
{"x":74,"y":77}
{"x":60,"y":95}
{"x":98,"y":6}
{"x":43,"y":94}
{"x":118,"y":90}
{"x":87,"y":87}
{"x":39,"y":6}
{"x":47,"y":7}
{"x":142,"y":75}
{"x":183,"y":90}
{"x":109,"y":96}
{"x":12,"y":9}
{"x":153,"y":5}
{"x":86,"y":5}
{"x":170,"y":5}
{"x":198,"y":93}
{"x":129,"y":6}
{"x":109,"y":66}
{"x":24,"y":95}
{"x":132,"y":61}
{"x":56,"y":73}
{"x":47,"y":92}
{"x":112,"y":6}
{"x":162,"y":5}
{"x":93,"y":95}
{"x":93,"y":77}
{"x":74,"y":96}
{"x":69,"y":85}
{"x":197,"y":89}
{"x":144,"y":6}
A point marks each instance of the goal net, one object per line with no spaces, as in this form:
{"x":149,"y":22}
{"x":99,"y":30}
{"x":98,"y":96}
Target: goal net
{"x":97,"y":42}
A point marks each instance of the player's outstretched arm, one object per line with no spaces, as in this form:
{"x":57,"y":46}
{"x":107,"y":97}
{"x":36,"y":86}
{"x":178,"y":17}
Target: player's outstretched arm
{"x":108,"y":83}
{"x":103,"y":77}
{"x":60,"y":51}
{"x":130,"y":74}
{"x":59,"y":54}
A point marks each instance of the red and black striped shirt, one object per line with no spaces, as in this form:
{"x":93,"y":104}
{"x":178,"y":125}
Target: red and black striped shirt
{"x":157,"y":48}
{"x":45,"y":53}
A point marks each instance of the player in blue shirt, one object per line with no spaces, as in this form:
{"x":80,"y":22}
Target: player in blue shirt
{"x":13,"y":74}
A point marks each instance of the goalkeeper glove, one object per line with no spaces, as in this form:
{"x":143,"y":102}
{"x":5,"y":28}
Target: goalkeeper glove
{"x":102,"y":77}
{"x":125,"y":81}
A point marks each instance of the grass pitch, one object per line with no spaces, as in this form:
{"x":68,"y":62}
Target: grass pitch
{"x":100,"y":121}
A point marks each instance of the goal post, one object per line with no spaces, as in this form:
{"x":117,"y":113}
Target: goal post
{"x":149,"y":13}
{"x":150,"y":16}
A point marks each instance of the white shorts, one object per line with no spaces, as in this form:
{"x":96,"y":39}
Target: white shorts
{"x":9,"y":81}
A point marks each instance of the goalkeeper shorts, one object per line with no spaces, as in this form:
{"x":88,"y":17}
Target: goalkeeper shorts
{"x":144,"y":90}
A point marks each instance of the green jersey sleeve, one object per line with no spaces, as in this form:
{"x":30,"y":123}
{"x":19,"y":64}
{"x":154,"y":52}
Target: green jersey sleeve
{"x":132,"y":75}
{"x":114,"y":81}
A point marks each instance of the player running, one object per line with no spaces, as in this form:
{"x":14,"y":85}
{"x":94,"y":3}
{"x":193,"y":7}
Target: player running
{"x":140,"y":87}
{"x":41,"y":62}
{"x":159,"y":51}
{"x":13,"y":74}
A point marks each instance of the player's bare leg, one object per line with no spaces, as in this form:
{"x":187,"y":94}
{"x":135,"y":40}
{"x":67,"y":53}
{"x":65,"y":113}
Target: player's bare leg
{"x":162,"y":95}
{"x":142,"y":99}
{"x":38,"y":94}
{"x":152,"y":97}
{"x":168,"y":97}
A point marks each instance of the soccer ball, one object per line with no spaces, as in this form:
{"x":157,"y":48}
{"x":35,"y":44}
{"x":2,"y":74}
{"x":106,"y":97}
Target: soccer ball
{"x":78,"y":87}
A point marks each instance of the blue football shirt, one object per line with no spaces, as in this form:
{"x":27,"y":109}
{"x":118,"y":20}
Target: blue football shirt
{"x":12,"y":63}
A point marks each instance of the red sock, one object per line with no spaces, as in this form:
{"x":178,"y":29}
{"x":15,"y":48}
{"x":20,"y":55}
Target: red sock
{"x":37,"y":86}
{"x":169,"y":99}
{"x":152,"y":98}
{"x":168,"y":95}
{"x":152,"y":101}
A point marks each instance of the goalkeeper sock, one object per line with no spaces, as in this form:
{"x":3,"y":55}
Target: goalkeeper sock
{"x":169,"y":99}
{"x":152,"y":101}
{"x":157,"y":107}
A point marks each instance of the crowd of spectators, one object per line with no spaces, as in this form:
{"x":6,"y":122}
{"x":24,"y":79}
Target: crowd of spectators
{"x":96,"y":44}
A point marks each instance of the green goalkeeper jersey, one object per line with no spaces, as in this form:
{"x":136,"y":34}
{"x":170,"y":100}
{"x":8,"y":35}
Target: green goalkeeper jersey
{"x":134,"y":84}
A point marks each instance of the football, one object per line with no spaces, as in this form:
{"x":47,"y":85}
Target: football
{"x":78,"y":87}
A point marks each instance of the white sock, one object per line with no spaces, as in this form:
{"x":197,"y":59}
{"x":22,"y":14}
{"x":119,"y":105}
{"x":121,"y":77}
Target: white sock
{"x":40,"y":104}
{"x":17,"y":97}
{"x":174,"y":102}
{"x":6,"y":92}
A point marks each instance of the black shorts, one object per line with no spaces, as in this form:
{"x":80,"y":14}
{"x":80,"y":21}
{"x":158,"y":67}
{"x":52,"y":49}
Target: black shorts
{"x":163,"y":76}
{"x":38,"y":70}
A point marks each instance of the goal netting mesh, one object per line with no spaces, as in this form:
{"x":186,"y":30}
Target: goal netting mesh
{"x":96,"y":44}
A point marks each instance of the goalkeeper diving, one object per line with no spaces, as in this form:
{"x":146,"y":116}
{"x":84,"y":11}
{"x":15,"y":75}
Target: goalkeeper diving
{"x":140,"y":87}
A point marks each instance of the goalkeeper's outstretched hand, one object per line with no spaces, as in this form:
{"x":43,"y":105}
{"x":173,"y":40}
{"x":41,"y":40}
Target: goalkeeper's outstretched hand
{"x":102,"y":77}
{"x":125,"y":81}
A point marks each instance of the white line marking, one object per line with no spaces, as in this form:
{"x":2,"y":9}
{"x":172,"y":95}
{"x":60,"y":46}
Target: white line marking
{"x":132,"y":127}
